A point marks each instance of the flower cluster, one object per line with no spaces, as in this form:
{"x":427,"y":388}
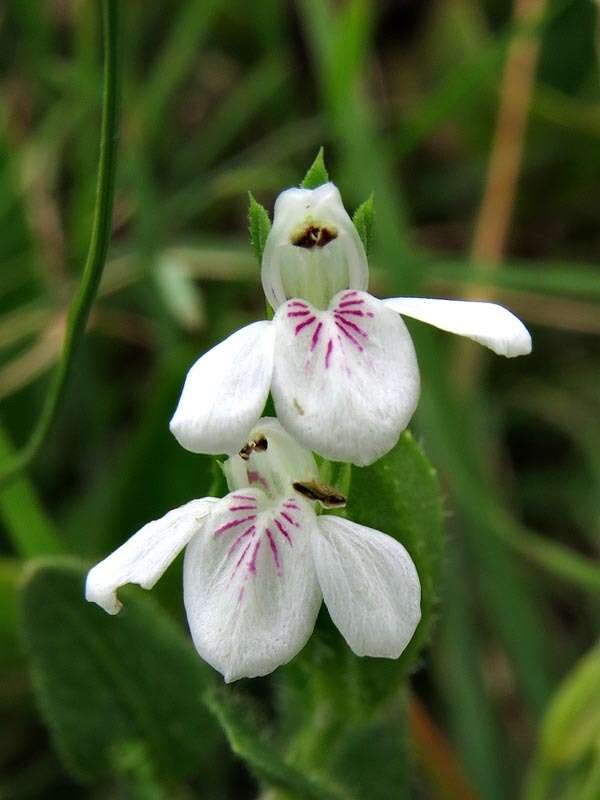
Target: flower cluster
{"x":343,"y":374}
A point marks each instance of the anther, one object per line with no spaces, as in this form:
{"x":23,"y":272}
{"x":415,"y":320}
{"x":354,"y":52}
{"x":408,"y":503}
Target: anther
{"x":326,"y":495}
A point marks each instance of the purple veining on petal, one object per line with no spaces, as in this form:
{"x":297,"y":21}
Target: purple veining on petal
{"x":297,"y":303}
{"x":243,"y":497}
{"x":243,"y":508}
{"x":352,"y":325}
{"x":298,"y":313}
{"x":353,"y":293}
{"x":370,"y":314}
{"x":248,"y":532}
{"x":274,"y":550}
{"x":351,"y":303}
{"x":291,"y":504}
{"x":328,"y":353}
{"x":303,"y":324}
{"x":355,"y":312}
{"x":292,"y":521}
{"x":255,"y":477}
{"x":315,"y":336}
{"x":234,"y":523}
{"x":349,"y":336}
{"x":252,"y":563}
{"x":283,"y":531}
{"x":241,"y":558}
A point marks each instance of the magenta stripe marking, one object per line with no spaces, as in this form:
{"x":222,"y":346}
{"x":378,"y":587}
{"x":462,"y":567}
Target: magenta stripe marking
{"x":298,"y":313}
{"x":353,"y":326}
{"x":349,"y":294}
{"x":286,"y":516}
{"x":351,"y":303}
{"x":243,"y":497}
{"x":356,"y":312}
{"x":274,"y":550}
{"x":349,"y":336}
{"x":243,"y":535}
{"x":315,"y":336}
{"x":283,"y":531}
{"x":306,"y":322}
{"x":291,"y":504}
{"x":328,"y":353}
{"x":241,"y":558}
{"x":242,"y":508}
{"x":234,"y":523}
{"x":297,"y":303}
{"x":252,"y":564}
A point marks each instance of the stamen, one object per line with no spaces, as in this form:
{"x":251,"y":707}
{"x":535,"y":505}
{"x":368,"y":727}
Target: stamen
{"x":326,"y":495}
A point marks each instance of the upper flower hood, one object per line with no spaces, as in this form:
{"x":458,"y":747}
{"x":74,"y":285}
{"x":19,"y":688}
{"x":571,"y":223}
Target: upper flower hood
{"x":313,"y":249}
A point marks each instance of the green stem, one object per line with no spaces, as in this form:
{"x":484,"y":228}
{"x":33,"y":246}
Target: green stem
{"x":99,"y":242}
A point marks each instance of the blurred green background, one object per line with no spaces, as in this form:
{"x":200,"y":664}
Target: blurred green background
{"x":477,"y":126}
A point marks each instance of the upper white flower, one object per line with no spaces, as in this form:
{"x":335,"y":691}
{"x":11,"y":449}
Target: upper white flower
{"x":340,"y":364}
{"x":259,"y":562}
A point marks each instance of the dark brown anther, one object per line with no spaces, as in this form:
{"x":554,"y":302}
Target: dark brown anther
{"x":326,"y":495}
{"x":314,"y":236}
{"x":260,"y":444}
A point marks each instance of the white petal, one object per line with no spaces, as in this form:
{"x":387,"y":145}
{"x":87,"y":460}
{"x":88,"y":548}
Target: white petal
{"x":146,"y":555}
{"x":225,"y":392}
{"x":369,"y":584}
{"x":250,"y":588}
{"x":293,"y":271}
{"x":346,"y":380}
{"x":487,"y":323}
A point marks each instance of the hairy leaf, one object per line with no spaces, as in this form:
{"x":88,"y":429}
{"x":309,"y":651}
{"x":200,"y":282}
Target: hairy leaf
{"x":103,"y":682}
{"x":259,"y":226}
{"x":363,"y":221}
{"x":261,"y":756}
{"x":317,"y":173}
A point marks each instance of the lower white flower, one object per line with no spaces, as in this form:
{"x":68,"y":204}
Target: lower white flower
{"x":259,"y":562}
{"x":340,"y":363}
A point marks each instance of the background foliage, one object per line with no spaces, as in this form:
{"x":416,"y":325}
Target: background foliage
{"x":476,"y":125}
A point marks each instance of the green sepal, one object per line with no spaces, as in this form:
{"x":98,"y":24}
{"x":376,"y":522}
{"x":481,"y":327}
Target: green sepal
{"x":317,"y":173}
{"x":245,"y":733}
{"x":363,"y":222}
{"x":104,"y":682}
{"x":259,"y":226}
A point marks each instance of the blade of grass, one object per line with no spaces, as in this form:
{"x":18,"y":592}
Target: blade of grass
{"x":99,"y":242}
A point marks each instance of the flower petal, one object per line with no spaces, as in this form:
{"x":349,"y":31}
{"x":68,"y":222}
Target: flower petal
{"x":345,"y":380}
{"x":301,"y":270}
{"x":250,"y":588}
{"x":369,"y":584}
{"x":225,"y":392}
{"x":487,"y":323}
{"x":146,"y":555}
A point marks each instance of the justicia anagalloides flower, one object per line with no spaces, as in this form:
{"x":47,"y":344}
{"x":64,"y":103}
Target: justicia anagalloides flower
{"x":340,"y":364}
{"x":259,"y":562}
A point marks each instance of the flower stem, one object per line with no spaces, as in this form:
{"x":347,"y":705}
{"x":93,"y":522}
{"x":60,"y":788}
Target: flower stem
{"x":96,"y":257}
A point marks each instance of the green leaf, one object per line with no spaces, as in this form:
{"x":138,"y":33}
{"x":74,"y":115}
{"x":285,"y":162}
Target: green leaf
{"x":400,"y":495}
{"x":317,"y":173}
{"x":104,"y":682}
{"x":248,"y":741}
{"x":259,"y":226}
{"x":363,"y":222}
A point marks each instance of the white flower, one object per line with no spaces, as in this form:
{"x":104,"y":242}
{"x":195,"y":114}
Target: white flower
{"x":340,"y":364}
{"x":259,"y":562}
